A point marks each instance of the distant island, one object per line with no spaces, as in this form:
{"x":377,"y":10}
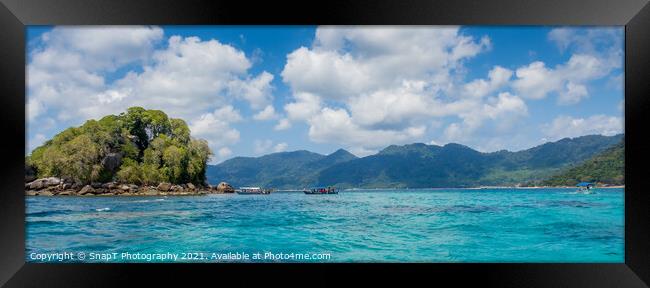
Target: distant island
{"x":138,"y":152}
{"x":592,"y":158}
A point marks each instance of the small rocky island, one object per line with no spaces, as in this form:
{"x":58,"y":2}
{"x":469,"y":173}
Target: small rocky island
{"x":137,"y":153}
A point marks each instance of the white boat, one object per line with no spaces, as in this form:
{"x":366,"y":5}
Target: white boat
{"x":585,"y":188}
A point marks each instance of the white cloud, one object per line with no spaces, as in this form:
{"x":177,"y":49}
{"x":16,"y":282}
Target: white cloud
{"x":597,"y":52}
{"x":266,"y":146}
{"x":497,"y":116}
{"x":567,"y":126}
{"x":586,"y":40}
{"x":215,"y":128}
{"x":336,"y":126}
{"x":283,"y":124}
{"x":536,"y":80}
{"x":280,"y":147}
{"x":257,"y":91}
{"x":224,"y":152}
{"x":497,"y":78}
{"x":267,"y":113}
{"x":366,"y":87}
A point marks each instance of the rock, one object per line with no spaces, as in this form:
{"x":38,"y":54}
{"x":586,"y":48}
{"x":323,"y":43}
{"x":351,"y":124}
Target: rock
{"x":45,"y":193}
{"x":124,"y":187}
{"x":96,"y":185}
{"x":52,"y":181}
{"x":164,"y":186}
{"x":65,"y":193}
{"x":112,"y":161}
{"x":133,"y":187}
{"x":66,"y":186}
{"x":76,"y":186}
{"x":151,"y":192}
{"x":224,"y":187}
{"x":190,"y":186}
{"x":36,"y":185}
{"x":109,"y":185}
{"x":31,"y":193}
{"x":101,"y":191}
{"x":176,"y":188}
{"x":44,"y":183}
{"x":87,"y":190}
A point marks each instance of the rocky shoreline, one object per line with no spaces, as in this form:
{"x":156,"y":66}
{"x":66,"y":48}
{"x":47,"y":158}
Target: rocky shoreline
{"x":53,"y":186}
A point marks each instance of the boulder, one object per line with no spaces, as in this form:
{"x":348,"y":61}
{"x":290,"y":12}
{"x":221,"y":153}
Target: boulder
{"x":190,"y":186}
{"x":112,"y":161}
{"x":224,"y":187}
{"x":66,"y":186}
{"x":150,"y":192}
{"x":65,"y":193}
{"x":133,"y":187}
{"x":87,"y":190}
{"x":109,"y":185}
{"x":124,"y":187}
{"x":96,"y":185}
{"x":31,"y":193}
{"x":44,"y":183}
{"x":36,"y":185}
{"x":45,"y":193}
{"x":164,"y":186}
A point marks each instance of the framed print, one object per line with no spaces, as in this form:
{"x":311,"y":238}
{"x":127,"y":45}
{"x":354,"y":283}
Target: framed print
{"x":501,"y":141}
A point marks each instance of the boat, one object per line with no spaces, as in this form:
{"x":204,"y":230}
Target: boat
{"x":321,"y":190}
{"x":585,"y":187}
{"x":252,"y":191}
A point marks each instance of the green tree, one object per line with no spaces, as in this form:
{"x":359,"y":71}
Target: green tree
{"x":153,"y":149}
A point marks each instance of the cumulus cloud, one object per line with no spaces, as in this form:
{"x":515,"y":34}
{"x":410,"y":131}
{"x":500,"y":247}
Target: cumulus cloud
{"x":283,"y":124}
{"x":497,"y":78}
{"x":365,"y":87}
{"x":494,"y":117}
{"x":267,"y":113}
{"x":587,"y":63}
{"x":567,"y":126}
{"x":215,"y":127}
{"x":266,"y":146}
{"x":336,"y":126}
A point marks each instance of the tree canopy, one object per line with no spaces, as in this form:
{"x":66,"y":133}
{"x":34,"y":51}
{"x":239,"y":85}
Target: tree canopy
{"x":138,"y":146}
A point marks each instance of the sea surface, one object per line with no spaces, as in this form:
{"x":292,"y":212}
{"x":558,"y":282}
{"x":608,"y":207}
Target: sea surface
{"x":424,"y":225}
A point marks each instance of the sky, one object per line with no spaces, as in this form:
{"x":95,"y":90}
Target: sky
{"x":254,"y":90}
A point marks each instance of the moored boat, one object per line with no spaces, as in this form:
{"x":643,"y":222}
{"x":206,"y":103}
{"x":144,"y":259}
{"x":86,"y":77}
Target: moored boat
{"x":252,"y":191}
{"x":585,"y":187}
{"x":321,"y":190}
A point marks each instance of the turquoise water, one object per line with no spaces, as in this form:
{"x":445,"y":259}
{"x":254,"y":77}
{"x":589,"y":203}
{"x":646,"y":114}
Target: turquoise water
{"x":435,"y":225}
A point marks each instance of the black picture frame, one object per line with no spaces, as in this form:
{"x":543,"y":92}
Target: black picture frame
{"x":633,"y":14}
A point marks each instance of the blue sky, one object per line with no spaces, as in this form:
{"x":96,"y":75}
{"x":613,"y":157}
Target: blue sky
{"x":252,"y":90}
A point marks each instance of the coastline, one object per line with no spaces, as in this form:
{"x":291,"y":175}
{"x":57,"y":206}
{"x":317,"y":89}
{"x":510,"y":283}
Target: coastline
{"x":53,"y":186}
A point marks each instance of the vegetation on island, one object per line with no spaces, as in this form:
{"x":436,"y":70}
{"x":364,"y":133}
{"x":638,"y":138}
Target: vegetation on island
{"x":605,"y":168}
{"x":415,"y":166}
{"x":139,"y":146}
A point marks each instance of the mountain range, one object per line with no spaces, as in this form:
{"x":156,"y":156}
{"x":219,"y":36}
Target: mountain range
{"x":413,"y":165}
